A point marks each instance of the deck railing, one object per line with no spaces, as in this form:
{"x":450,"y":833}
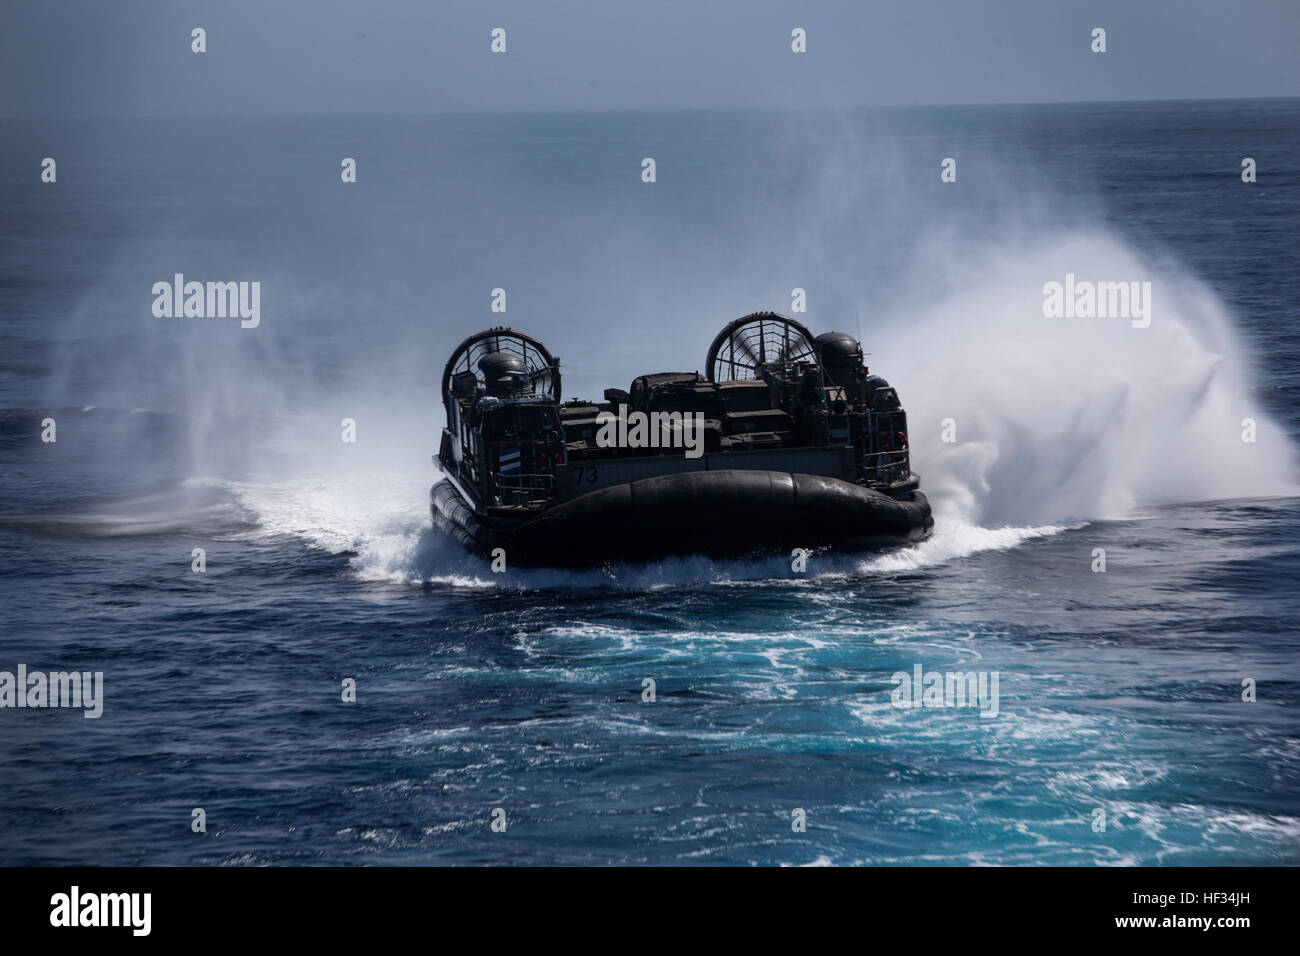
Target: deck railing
{"x":886,"y":467}
{"x":523,"y":489}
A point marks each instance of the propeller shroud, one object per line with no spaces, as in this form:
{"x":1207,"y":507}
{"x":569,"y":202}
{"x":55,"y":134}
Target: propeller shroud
{"x":755,"y":341}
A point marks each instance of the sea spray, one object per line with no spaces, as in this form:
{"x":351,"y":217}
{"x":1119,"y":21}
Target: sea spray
{"x":1053,"y":420}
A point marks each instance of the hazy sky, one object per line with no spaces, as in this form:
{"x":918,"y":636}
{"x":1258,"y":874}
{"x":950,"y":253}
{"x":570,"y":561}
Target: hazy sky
{"x":88,"y":57}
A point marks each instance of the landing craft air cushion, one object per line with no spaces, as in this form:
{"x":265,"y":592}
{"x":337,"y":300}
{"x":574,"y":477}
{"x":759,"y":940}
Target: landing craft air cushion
{"x":788,"y":442}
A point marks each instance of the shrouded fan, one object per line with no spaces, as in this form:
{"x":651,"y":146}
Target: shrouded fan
{"x":757,"y":340}
{"x":504,"y":349}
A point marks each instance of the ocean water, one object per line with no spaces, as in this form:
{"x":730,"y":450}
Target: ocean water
{"x":1119,"y":692}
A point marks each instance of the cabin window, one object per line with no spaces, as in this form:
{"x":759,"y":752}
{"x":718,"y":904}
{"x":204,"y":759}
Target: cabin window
{"x":521,"y":420}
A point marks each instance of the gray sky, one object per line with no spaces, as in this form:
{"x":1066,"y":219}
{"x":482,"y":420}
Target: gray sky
{"x":93,"y":57}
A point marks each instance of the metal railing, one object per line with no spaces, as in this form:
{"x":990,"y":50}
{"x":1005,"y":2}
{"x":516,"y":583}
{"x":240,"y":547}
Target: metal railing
{"x":523,"y":489}
{"x":886,"y":467}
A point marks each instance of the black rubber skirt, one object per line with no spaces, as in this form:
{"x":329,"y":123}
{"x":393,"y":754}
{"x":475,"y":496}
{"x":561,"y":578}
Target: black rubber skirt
{"x":713,"y":513}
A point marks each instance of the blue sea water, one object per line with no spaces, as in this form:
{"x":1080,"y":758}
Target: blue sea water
{"x":1119,"y":691}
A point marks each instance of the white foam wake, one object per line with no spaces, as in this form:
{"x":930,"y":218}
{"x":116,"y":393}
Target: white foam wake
{"x":382,"y":522}
{"x":1056,"y":422}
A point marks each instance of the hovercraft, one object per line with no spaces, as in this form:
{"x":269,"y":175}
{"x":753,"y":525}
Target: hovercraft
{"x":789,"y":442}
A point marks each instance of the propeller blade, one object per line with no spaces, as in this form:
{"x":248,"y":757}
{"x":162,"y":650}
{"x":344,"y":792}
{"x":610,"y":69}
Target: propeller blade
{"x":748,"y":350}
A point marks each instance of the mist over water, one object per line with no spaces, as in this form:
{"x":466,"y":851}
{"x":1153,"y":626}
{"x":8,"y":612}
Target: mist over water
{"x":1063,"y":419}
{"x":367,"y":289}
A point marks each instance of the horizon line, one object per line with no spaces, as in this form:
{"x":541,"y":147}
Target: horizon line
{"x":625,"y":110}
